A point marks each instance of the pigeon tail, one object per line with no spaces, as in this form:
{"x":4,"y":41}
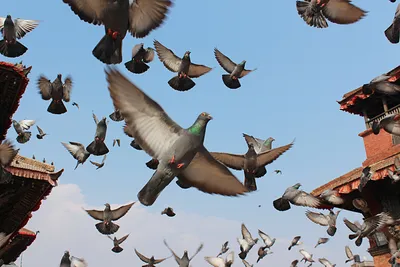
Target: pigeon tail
{"x":150,"y":192}
{"x":181,"y":84}
{"x":250,"y":182}
{"x":243,"y":255}
{"x":359,"y":241}
{"x":97,"y":148}
{"x":331,"y":230}
{"x":261,"y":171}
{"x":259,"y":258}
{"x":109,"y":229}
{"x":182,"y":184}
{"x":137,"y":67}
{"x":352,"y":236}
{"x":39,"y":136}
{"x":281,"y":204}
{"x":116,"y":117}
{"x":392,"y":35}
{"x":315,"y":19}
{"x":77,"y":164}
{"x":117,"y":249}
{"x":57,"y":107}
{"x":152,"y":164}
{"x":109,"y":50}
{"x":229,"y":82}
{"x":12,"y":50}
{"x":24,"y":137}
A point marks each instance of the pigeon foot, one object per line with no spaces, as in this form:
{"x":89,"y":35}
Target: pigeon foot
{"x":172,"y":161}
{"x":180,"y":165}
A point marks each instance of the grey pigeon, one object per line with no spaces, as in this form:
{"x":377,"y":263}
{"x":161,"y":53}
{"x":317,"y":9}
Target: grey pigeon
{"x":78,"y":151}
{"x":251,"y":163}
{"x":183,"y":66}
{"x":180,"y":151}
{"x":75,"y":104}
{"x":236,"y":71}
{"x":295,"y":242}
{"x":117,"y":141}
{"x":7,"y":153}
{"x":169,"y":212}
{"x":65,"y":261}
{"x":117,"y":242}
{"x":321,"y":240}
{"x":224,"y":248}
{"x":392,"y":33}
{"x":393,"y":176}
{"x":185,"y":260}
{"x":220,"y":262}
{"x":99,"y":165}
{"x":246,"y":243}
{"x":246,"y":264}
{"x":381,"y":84}
{"x":332,"y":196}
{"x":394,"y":251}
{"x":140,"y":56}
{"x":366,"y":175}
{"x":390,"y":124}
{"x":361,"y":204}
{"x":150,"y":261}
{"x":116,"y":116}
{"x":41,"y":133}
{"x":98,"y":147}
{"x":259,"y":145}
{"x":324,"y":220}
{"x":106,"y":226}
{"x":13,"y":30}
{"x":307,"y":257}
{"x":296,"y":197}
{"x":118,"y":17}
{"x":294,"y":263}
{"x":349,"y":254}
{"x":262,"y":252}
{"x":78,"y":262}
{"x":315,"y":12}
{"x":57,"y":91}
{"x":21,"y":128}
{"x":268,"y":241}
{"x":326,"y":263}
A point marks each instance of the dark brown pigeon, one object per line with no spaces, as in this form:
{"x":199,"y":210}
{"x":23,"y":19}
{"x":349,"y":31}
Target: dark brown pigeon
{"x":140,"y":57}
{"x":57,"y":91}
{"x":117,"y":243}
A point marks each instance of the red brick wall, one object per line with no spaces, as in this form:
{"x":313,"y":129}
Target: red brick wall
{"x":382,"y":260}
{"x":376,"y":144}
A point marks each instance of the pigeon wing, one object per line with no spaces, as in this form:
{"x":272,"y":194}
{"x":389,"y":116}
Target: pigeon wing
{"x":246,"y":263}
{"x":136,"y":49}
{"x":392,"y":246}
{"x":167,"y":57}
{"x":122,"y":239}
{"x":306,"y":200}
{"x":246,"y":234}
{"x":267,"y":240}
{"x":342,"y":12}
{"x":245,"y":72}
{"x":39,"y":130}
{"x":121,"y":211}
{"x":349,"y":253}
{"x":397,"y":163}
{"x":196,"y":70}
{"x":96,"y":214}
{"x":197,"y":251}
{"x":231,"y":257}
{"x":23,"y":26}
{"x":67,"y":86}
{"x":216,"y":262}
{"x":26,"y":124}
{"x":233,"y":161}
{"x":91,"y":11}
{"x":142,"y":257}
{"x":226,"y":63}
{"x":45,"y":87}
{"x":77,"y":150}
{"x":257,"y":143}
{"x":325,"y":262}
{"x":317,"y":218}
{"x":118,"y":142}
{"x":7,"y":153}
{"x":95,"y":163}
{"x":177,"y":259}
{"x":352,"y":226}
{"x":2,"y":20}
{"x":269,"y":156}
{"x":104,"y":159}
{"x":149,"y":56}
{"x":96,"y":120}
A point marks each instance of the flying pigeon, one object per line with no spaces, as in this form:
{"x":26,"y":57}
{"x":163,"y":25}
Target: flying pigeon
{"x":251,"y":163}
{"x":315,"y":12}
{"x":106,"y":226}
{"x":75,"y":104}
{"x":99,"y":165}
{"x":294,"y":263}
{"x":116,"y":116}
{"x":98,"y":147}
{"x":390,"y":124}
{"x":139,"y":18}
{"x":236,"y":71}
{"x":140,"y":57}
{"x":117,"y":242}
{"x":41,"y":133}
{"x":77,"y":262}
{"x":246,"y":264}
{"x":246,"y":243}
{"x":224,"y":248}
{"x":183,"y":66}
{"x":78,"y":151}
{"x":366,"y":175}
{"x":326,"y":263}
{"x":324,"y":220}
{"x":321,"y":240}
{"x":332,"y":196}
{"x":296,"y":197}
{"x":259,"y":145}
{"x":361,"y":204}
{"x":57,"y":91}
{"x":278,"y":171}
{"x":13,"y":30}
{"x":220,"y":262}
{"x":21,"y":128}
{"x":307,"y":257}
{"x":393,"y":31}
{"x":381,"y":84}
{"x":7,"y":153}
{"x":151,"y":261}
{"x":185,"y":260}
{"x":65,"y":260}
{"x":295,"y":242}
{"x":394,"y":251}
{"x":396,"y":165}
{"x":262,"y":252}
{"x":268,"y":241}
{"x":117,"y":141}
{"x":135,"y":145}
{"x":349,"y":254}
{"x":179,"y":151}
{"x":169,"y":212}
{"x":393,"y":176}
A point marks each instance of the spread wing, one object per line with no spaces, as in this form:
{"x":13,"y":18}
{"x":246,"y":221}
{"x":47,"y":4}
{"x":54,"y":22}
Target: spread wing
{"x":77,"y":150}
{"x":167,"y":57}
{"x":306,"y":200}
{"x":95,"y":163}
{"x":159,"y":260}
{"x":7,"y":153}
{"x":257,"y":143}
{"x":121,"y":211}
{"x":2,"y":23}
{"x":77,"y":262}
{"x":246,"y":234}
{"x":216,"y":262}
{"x":353,"y":227}
{"x":226,"y":63}
{"x":317,"y":218}
{"x":208,"y":175}
{"x":147,"y":15}
{"x":26,"y":124}
{"x":45,"y":87}
{"x":196,"y":70}
{"x":96,"y":120}
{"x":142,"y":257}
{"x":67,"y":86}
{"x":325,"y":262}
{"x":149,"y":56}
{"x":148,"y":123}
{"x":296,"y":239}
{"x":177,"y":259}
{"x":348,"y":251}
{"x":233,"y":161}
{"x":265,"y":237}
{"x":269,"y":156}
{"x":342,"y":12}
{"x":39,"y":130}
{"x":245,"y":72}
{"x":23,"y":26}
{"x":122,"y":239}
{"x":91,"y":11}
{"x":96,"y":214}
{"x":197,"y":251}
{"x":231,"y":257}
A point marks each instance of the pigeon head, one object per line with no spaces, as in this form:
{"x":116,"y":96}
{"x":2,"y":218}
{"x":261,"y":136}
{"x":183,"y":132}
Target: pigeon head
{"x":59,"y":76}
{"x":187,"y":54}
{"x":66,"y":253}
{"x":270,"y":139}
{"x":107,"y":206}
{"x":205,"y":116}
{"x":297,"y":186}
{"x":8,"y":16}
{"x":242,"y":63}
{"x":366,"y":89}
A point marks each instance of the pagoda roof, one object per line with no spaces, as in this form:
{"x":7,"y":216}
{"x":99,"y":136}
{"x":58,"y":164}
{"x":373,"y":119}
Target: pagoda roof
{"x":16,"y":245}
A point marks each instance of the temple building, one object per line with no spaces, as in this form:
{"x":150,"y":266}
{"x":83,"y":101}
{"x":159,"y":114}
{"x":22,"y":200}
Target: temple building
{"x":380,"y":194}
{"x":25,"y":182}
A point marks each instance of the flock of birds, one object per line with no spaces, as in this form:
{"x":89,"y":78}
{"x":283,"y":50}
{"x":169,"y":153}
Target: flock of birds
{"x":179,"y":152}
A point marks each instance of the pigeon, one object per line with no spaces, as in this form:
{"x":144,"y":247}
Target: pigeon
{"x":21,"y":128}
{"x":321,"y":240}
{"x":332,"y":196}
{"x":259,"y":145}
{"x":262,"y":252}
{"x":7,"y":153}
{"x":315,"y":12}
{"x":179,"y":151}
{"x":278,"y":171}
{"x":77,"y":262}
{"x":185,"y":260}
{"x":106,"y":226}
{"x":295,"y":242}
{"x":169,"y":212}
{"x":393,"y":176}
{"x":116,"y":116}
{"x":366,"y":175}
{"x":41,"y":133}
{"x":307,"y":257}
{"x":390,"y":124}
{"x":296,"y":197}
{"x":57,"y":91}
{"x":118,"y":17}
{"x":251,"y":163}
{"x":140,"y":57}
{"x":44,"y":160}
{"x":294,"y":263}
{"x":224,"y":248}
{"x":117,"y":242}
{"x":268,"y":241}
{"x":220,"y":262}
{"x":349,"y":254}
{"x":324,"y":220}
{"x":135,"y":145}
{"x":98,"y":147}
{"x":151,"y":261}
{"x":99,"y":165}
{"x":381,"y":84}
{"x":394,"y":251}
{"x":361,"y":204}
{"x":236,"y":71}
{"x":392,"y":33}
{"x":117,"y":141}
{"x":396,"y":165}
{"x":246,"y":264}
{"x":246,"y":243}
{"x":183,"y":66}
{"x":13,"y":30}
{"x":326,"y":263}
{"x":75,"y":104}
{"x":78,"y":151}
{"x":65,"y":260}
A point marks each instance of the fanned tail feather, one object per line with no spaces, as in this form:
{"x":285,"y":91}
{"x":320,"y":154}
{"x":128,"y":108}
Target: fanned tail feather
{"x":243,"y":255}
{"x":181,"y":84}
{"x":12,"y":50}
{"x":152,"y":164}
{"x":229,"y":82}
{"x":250,"y":182}
{"x":331,"y":230}
{"x":97,"y":148}
{"x":108,"y":50}
{"x":281,"y":204}
{"x":392,"y":35}
{"x":261,"y":172}
{"x":137,"y":67}
{"x":24,"y":137}
{"x":117,"y":249}
{"x":57,"y":107}
{"x":359,"y":241}
{"x":109,"y":229}
{"x":313,"y":19}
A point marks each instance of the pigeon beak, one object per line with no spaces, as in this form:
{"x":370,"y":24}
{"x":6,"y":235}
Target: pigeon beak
{"x":209,"y":117}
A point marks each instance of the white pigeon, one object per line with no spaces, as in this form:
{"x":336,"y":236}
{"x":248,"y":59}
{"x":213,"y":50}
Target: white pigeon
{"x":307,"y":257}
{"x":246,"y":243}
{"x":267,"y":239}
{"x":26,"y":124}
{"x":220,"y":262}
{"x":326,"y":263}
{"x":77,"y":262}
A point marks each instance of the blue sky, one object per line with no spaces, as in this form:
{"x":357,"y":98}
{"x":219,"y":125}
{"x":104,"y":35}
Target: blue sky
{"x":301,"y":73}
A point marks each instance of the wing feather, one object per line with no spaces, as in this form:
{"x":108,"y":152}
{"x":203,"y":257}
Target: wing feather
{"x":149,"y":56}
{"x":226,"y":63}
{"x":77,"y":150}
{"x":39,"y":130}
{"x":352,"y":226}
{"x":26,"y":124}
{"x":122,"y":239}
{"x":307,"y":200}
{"x":167,"y":57}
{"x":45,"y":87}
{"x":257,"y":143}
{"x":342,"y":12}
{"x":317,"y":218}
{"x":91,"y":11}
{"x":216,"y":262}
{"x":269,"y":156}
{"x":142,"y":257}
{"x":96,"y":214}
{"x":246,"y":233}
{"x":233,"y":161}
{"x":23,"y":26}
{"x":348,"y":251}
{"x":67,"y":87}
{"x":266,"y":238}
{"x":95,"y":163}
{"x":2,"y":20}
{"x":121,"y":211}
{"x":196,"y":70}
